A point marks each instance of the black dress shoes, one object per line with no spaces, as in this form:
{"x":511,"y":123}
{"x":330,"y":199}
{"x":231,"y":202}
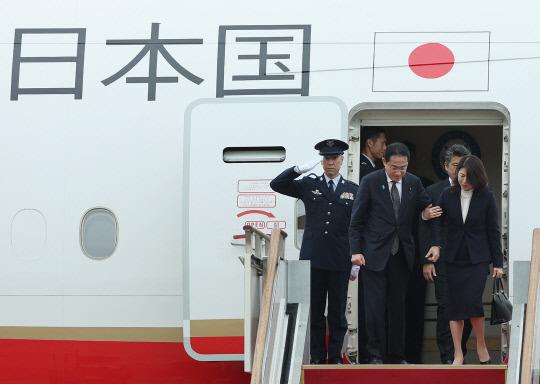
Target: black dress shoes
{"x":364,"y":360}
{"x":376,"y":360}
{"x":448,"y":362}
{"x":335,"y":360}
{"x":318,"y":362}
{"x":486,"y":362}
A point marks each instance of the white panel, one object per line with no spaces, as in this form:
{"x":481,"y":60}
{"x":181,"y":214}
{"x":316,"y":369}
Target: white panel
{"x":215,"y":215}
{"x":28,"y":234}
{"x":91,"y":311}
{"x":31,"y":311}
{"x":123,"y":311}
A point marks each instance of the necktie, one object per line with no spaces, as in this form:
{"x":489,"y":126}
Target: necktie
{"x":331,"y":188}
{"x":395,"y":204}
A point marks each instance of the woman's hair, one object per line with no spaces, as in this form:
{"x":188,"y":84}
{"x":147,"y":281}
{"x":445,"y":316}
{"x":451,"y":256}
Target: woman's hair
{"x":476,"y":174}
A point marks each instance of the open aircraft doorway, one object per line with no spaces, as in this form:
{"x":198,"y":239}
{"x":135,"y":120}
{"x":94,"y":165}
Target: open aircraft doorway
{"x":484,"y":128}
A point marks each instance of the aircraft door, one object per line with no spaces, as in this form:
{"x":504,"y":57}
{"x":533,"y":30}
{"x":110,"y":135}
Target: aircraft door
{"x":233,"y":148}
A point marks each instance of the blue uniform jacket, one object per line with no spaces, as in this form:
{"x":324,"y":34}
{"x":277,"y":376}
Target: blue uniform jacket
{"x":365,"y":166}
{"x":481,"y":227}
{"x":325,"y":240}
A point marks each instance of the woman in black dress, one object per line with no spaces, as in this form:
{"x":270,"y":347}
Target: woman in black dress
{"x":473,"y":242}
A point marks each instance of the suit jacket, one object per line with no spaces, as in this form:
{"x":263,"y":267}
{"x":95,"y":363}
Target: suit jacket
{"x":433,"y":191}
{"x":481,"y":227}
{"x":325,"y":241}
{"x":373,"y":222}
{"x":365,"y":166}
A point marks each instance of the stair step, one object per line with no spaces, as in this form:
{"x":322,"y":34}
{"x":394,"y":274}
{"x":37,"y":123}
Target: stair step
{"x":404,"y":374}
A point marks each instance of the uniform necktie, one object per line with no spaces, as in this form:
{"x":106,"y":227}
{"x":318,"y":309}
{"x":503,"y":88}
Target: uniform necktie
{"x":331,"y":188}
{"x":395,"y":204}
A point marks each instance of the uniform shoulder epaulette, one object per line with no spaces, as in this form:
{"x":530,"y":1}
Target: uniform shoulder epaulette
{"x":351,"y":182}
{"x":312,"y":176}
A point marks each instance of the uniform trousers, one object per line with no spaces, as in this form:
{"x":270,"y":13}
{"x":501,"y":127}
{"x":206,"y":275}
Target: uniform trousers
{"x":384,"y":291}
{"x":333,"y":284}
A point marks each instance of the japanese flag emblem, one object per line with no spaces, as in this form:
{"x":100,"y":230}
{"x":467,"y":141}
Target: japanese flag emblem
{"x":431,"y":62}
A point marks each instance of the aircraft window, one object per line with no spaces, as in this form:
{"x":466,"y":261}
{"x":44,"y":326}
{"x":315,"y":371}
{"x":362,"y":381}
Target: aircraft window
{"x":300,"y":221}
{"x":28,"y":234}
{"x":254,"y":154}
{"x":99,"y":233}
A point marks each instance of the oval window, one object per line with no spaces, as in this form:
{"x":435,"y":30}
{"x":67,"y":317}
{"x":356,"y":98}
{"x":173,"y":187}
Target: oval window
{"x":99,"y":233}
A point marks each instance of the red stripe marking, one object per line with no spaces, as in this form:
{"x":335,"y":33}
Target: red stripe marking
{"x":109,"y":362}
{"x":239,"y":237}
{"x":255,"y":211}
{"x":217,"y":345}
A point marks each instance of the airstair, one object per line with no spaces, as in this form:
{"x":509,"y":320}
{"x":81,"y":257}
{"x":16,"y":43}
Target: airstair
{"x":277,"y":328}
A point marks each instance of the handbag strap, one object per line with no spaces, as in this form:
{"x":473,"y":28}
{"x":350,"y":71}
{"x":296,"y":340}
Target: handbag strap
{"x":497,"y":284}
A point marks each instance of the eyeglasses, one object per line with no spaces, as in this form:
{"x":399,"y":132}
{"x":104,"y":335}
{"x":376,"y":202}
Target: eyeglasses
{"x":454,"y":165}
{"x":398,"y":169}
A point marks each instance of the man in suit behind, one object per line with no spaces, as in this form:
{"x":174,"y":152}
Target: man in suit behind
{"x":372,"y":145}
{"x":381,"y":241}
{"x":328,"y":200}
{"x":434,"y":272}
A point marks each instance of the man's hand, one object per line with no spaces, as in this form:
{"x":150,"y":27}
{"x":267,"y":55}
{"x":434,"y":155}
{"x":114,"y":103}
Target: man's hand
{"x":358,"y":259}
{"x":429,"y":272}
{"x":354,"y":272}
{"x":431,"y":212}
{"x":433,"y":254}
{"x":310,"y":165}
{"x":497,"y":272}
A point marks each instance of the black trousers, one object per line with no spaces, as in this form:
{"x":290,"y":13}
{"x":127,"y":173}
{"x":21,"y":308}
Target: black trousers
{"x":363,"y":354}
{"x":415,"y":300}
{"x":333,"y":284}
{"x":384,"y":291}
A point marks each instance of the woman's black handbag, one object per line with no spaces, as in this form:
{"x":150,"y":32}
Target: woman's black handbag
{"x":501,"y":308}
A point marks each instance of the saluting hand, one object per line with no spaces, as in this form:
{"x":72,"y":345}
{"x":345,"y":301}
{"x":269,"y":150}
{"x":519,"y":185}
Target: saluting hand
{"x":429,"y":272}
{"x":497,"y":272}
{"x":431,"y":212}
{"x":358,"y":259}
{"x":433,"y":254}
{"x":306,"y":167}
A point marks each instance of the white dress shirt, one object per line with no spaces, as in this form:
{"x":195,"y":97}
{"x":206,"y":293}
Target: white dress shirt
{"x":335,"y":180}
{"x":465,"y":197}
{"x":398,"y":185}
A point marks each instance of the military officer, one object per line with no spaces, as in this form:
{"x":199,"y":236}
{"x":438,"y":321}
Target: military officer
{"x":328,"y":200}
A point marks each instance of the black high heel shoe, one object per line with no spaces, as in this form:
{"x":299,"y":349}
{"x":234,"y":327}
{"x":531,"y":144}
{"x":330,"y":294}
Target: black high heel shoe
{"x":486,"y":362}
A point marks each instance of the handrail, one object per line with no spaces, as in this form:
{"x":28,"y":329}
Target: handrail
{"x":261,"y":234}
{"x":266,"y":304}
{"x":530,"y":316}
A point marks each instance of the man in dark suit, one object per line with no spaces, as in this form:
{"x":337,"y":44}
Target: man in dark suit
{"x":381,"y":241}
{"x":434,"y":272}
{"x":372,"y":145}
{"x":415,"y":298}
{"x":328,"y":200}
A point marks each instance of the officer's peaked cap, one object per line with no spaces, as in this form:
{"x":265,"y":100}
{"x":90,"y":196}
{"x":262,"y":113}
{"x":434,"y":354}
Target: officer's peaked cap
{"x":331,"y":147}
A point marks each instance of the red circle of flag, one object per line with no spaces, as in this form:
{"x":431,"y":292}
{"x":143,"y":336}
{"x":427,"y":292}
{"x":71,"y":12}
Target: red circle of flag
{"x":431,"y":60}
